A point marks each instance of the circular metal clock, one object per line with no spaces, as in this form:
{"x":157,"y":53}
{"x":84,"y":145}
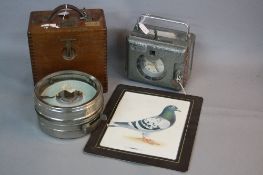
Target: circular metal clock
{"x":68,"y":103}
{"x":151,"y":68}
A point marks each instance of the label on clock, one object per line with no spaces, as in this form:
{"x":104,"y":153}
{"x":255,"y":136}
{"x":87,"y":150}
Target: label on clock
{"x":144,"y":28}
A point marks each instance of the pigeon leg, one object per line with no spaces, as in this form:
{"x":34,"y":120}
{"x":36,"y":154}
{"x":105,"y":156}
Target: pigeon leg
{"x":147,"y":139}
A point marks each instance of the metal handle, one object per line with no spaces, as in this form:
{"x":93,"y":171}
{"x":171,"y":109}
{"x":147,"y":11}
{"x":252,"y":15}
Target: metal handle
{"x":142,"y":18}
{"x":82,"y":14}
{"x":88,"y":127}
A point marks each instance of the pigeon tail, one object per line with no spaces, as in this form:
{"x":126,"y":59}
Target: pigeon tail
{"x":119,"y":124}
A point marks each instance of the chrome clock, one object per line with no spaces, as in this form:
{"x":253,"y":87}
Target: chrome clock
{"x":159,"y":55}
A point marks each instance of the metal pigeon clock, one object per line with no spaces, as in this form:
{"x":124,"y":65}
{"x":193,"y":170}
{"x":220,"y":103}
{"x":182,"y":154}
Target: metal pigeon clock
{"x":160,"y":56}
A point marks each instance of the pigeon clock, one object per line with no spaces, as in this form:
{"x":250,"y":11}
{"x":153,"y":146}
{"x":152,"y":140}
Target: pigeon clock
{"x":160,"y":56}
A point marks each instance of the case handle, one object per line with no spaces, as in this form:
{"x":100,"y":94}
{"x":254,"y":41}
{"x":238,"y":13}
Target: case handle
{"x":81,"y":13}
{"x":142,"y":18}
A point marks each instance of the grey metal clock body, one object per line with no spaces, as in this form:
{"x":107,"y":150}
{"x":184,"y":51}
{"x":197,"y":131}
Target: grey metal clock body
{"x":162,"y":57}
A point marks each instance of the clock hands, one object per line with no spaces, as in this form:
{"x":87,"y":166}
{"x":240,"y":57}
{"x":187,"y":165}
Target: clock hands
{"x":151,"y":68}
{"x":44,"y":96}
{"x":154,"y":63}
{"x":66,"y":96}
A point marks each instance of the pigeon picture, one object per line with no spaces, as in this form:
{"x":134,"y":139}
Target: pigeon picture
{"x":148,"y":125}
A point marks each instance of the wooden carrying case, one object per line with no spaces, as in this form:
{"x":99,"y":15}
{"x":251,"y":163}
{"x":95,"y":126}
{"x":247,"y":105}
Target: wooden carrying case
{"x":68,"y":38}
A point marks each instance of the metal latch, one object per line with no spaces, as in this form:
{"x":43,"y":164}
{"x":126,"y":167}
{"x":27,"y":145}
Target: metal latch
{"x":68,"y":52}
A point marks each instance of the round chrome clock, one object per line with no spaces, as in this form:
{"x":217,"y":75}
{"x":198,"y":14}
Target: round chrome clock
{"x":69,"y":104}
{"x":151,"y":68}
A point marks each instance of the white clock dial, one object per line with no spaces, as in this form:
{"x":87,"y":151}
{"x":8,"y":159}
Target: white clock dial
{"x":153,"y":69}
{"x":154,"y":66}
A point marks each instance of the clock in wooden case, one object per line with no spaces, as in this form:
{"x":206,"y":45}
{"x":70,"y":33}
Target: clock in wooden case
{"x":160,"y":56}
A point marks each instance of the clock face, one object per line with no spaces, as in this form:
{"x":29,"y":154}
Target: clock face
{"x":151,"y":68}
{"x":68,"y":93}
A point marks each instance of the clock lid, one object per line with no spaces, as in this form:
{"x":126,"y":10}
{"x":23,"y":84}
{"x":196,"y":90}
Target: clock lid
{"x":158,"y":33}
{"x":161,"y":34}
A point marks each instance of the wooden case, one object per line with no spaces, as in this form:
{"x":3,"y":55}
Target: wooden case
{"x":68,"y":39}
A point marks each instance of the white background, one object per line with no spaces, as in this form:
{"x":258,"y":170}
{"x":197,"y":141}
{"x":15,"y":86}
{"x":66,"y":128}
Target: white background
{"x":134,"y":106}
{"x":227,"y":72}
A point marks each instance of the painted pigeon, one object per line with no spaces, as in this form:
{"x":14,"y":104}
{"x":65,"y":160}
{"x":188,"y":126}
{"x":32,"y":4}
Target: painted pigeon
{"x":152,"y":124}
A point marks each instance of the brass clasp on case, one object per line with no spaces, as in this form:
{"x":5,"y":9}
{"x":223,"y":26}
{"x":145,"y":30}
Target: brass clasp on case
{"x":68,"y":52}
